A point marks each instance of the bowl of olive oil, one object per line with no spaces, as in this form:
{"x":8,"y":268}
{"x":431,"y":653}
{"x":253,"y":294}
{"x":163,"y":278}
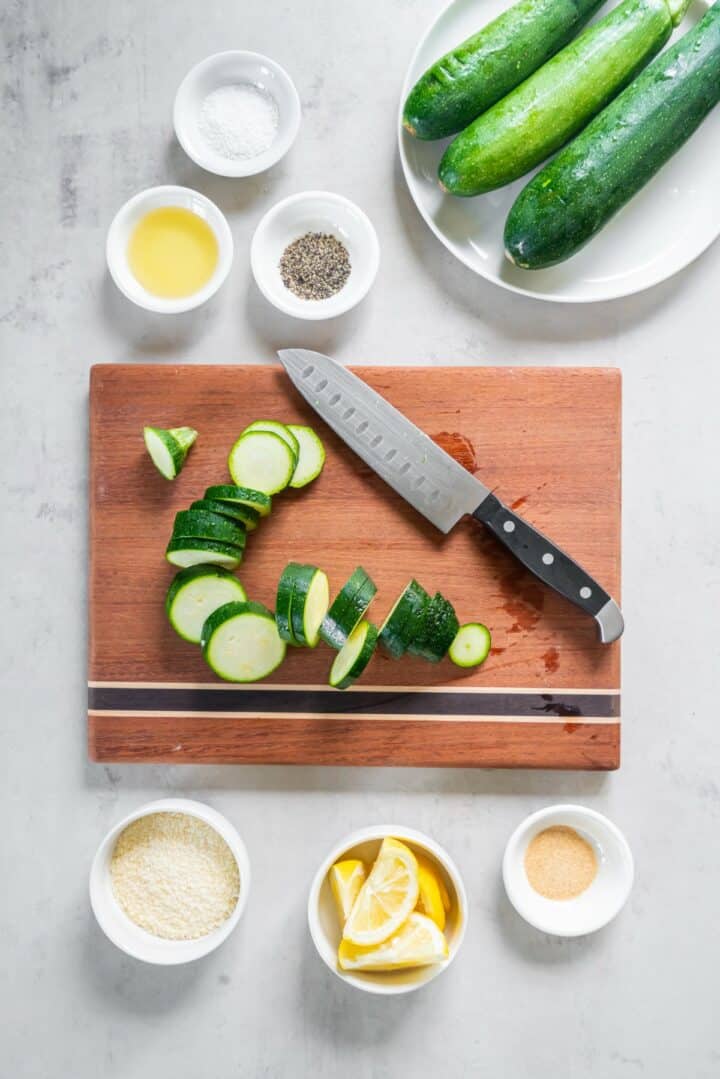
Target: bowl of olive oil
{"x":169,"y":249}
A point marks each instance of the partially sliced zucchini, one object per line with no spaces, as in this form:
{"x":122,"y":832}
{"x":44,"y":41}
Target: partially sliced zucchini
{"x":183,"y":551}
{"x":282,"y":430}
{"x":311,"y":457}
{"x":348,"y":607}
{"x":354,"y":656}
{"x":438,"y":630}
{"x":405,"y":621}
{"x":199,"y":524}
{"x":256,"y":500}
{"x":263,"y":461}
{"x":246,"y":517}
{"x":471,"y":645}
{"x":195,"y":593}
{"x":309,"y":605}
{"x":240,"y":642}
{"x":168,"y":448}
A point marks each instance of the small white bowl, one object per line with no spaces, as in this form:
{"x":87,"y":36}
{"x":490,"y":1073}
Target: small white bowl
{"x":228,"y":68}
{"x":120,"y":231}
{"x":128,"y":936}
{"x":594,"y":907}
{"x":326,"y":931}
{"x":315,"y":211}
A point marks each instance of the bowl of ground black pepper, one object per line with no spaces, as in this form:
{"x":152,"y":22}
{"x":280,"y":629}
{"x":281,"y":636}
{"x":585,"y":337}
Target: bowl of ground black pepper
{"x":567,"y":870}
{"x":315,"y":255}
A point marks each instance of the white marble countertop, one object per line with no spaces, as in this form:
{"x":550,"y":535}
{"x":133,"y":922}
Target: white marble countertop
{"x":87,"y":93}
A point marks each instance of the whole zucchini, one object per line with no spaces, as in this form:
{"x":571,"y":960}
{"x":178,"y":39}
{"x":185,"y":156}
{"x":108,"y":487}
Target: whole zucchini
{"x":472,"y":77}
{"x":541,"y":114}
{"x":578,"y":192}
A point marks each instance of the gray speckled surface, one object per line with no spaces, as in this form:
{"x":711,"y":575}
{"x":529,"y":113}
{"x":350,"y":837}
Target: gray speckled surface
{"x":87,"y":92}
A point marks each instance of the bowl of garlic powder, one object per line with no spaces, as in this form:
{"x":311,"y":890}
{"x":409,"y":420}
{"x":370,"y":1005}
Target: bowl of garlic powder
{"x":170,"y":882}
{"x":567,"y":870}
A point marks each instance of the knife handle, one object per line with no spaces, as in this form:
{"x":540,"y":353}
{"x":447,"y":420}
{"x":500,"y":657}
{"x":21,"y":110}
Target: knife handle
{"x":551,"y":565}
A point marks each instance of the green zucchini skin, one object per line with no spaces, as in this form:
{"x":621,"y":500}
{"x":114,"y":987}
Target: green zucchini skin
{"x":580,"y":190}
{"x":256,"y":500}
{"x":348,"y":607}
{"x":283,"y":602}
{"x":405,"y":621}
{"x":235,"y":511}
{"x":482,"y":70}
{"x":201,"y":524}
{"x":551,"y":106}
{"x":438,"y":631}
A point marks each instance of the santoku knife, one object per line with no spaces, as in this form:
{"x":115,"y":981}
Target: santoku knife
{"x":433,"y":482}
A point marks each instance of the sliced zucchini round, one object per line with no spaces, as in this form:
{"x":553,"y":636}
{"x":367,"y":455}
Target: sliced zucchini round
{"x":240,"y":642}
{"x":185,"y":551}
{"x":168,"y":448}
{"x":405,"y":621}
{"x":348,"y":607}
{"x":309,"y":605}
{"x":282,"y":430}
{"x":199,"y":524}
{"x":195,"y":593}
{"x":438,"y":630}
{"x":246,"y":517}
{"x":354,"y":656}
{"x":263,"y":461}
{"x":471,"y":645}
{"x":283,"y":602}
{"x":225,"y":492}
{"x":311,"y":457}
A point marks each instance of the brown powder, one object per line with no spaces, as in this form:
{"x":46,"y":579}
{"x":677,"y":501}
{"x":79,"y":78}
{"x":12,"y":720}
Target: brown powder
{"x":559,"y":863}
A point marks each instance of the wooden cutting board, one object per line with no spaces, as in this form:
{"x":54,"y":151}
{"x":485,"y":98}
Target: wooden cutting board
{"x":547,"y":440}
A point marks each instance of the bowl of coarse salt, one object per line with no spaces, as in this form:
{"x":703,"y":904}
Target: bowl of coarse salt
{"x":236,"y":113}
{"x":170,"y":882}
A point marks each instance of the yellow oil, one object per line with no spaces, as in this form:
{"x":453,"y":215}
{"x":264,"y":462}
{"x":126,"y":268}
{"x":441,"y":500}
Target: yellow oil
{"x":172,"y":252}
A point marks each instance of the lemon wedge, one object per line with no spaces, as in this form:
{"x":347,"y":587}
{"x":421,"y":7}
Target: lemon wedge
{"x":346,"y":879}
{"x":417,"y":943}
{"x":433,"y":893}
{"x":386,"y":898}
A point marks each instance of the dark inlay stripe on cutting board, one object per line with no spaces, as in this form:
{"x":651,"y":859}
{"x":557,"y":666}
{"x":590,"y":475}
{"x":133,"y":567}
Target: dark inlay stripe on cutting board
{"x":367,"y":702}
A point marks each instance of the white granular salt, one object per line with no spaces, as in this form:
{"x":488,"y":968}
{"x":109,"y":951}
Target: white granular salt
{"x":174,"y":876}
{"x":239,"y":120}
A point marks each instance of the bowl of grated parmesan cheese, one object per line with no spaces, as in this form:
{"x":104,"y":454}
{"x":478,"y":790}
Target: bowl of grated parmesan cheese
{"x":170,"y":882}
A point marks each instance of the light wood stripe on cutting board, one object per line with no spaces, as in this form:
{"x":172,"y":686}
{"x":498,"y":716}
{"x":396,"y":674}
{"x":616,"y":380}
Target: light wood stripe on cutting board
{"x":345,"y":716}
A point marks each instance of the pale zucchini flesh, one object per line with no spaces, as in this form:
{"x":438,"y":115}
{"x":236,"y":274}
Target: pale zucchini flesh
{"x":282,"y":430}
{"x":263,"y":461}
{"x":241,"y":643}
{"x":168,"y":448}
{"x":471,"y":645}
{"x":195,"y":593}
{"x":312,"y":608}
{"x":311,"y":456}
{"x":184,"y":552}
{"x":354,"y":656}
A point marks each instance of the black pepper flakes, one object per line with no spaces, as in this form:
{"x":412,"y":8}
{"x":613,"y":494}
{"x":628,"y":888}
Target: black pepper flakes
{"x":315,"y":266}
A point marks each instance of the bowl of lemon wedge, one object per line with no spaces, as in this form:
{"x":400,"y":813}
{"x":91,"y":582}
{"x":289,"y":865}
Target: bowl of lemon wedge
{"x":387,"y":909}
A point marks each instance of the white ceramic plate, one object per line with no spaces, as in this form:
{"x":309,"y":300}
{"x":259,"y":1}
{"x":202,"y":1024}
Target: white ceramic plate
{"x":667,"y":225}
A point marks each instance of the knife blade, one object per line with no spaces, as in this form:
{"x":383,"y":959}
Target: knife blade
{"x":433,"y":482}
